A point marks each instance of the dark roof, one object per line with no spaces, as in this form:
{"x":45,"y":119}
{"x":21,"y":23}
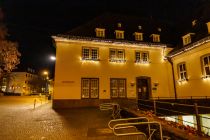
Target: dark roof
{"x":130,"y":25}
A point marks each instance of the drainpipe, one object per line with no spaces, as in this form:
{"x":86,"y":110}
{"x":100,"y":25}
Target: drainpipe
{"x":174,"y":82}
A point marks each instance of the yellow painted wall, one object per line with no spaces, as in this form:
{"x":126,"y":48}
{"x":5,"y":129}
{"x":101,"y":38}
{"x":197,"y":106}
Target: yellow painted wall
{"x":195,"y":86}
{"x":17,"y":81}
{"x":70,"y":69}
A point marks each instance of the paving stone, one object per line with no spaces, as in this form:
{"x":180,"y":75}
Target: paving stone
{"x":20,"y":121}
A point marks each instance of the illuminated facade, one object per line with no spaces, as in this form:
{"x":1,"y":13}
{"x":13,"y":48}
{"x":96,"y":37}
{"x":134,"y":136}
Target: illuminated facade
{"x":94,"y":69}
{"x":20,"y":82}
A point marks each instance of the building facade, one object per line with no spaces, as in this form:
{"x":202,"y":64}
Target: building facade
{"x":135,"y":64}
{"x":22,"y":83}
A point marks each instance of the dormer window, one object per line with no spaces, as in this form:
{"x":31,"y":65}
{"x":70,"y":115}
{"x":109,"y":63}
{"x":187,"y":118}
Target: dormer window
{"x":138,"y":36}
{"x":100,"y":32}
{"x":155,"y":37}
{"x":187,"y":39}
{"x":119,"y":34}
{"x":208,"y":26}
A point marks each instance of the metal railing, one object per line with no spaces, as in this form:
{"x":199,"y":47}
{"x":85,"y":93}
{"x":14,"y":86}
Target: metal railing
{"x":180,"y":97}
{"x":154,"y":105}
{"x":114,"y":107}
{"x":121,"y":126}
{"x":126,"y":120}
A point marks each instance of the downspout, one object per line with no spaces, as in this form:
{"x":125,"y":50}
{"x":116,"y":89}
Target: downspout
{"x":174,"y":82}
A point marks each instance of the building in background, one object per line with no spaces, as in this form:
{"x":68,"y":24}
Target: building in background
{"x":22,"y":83}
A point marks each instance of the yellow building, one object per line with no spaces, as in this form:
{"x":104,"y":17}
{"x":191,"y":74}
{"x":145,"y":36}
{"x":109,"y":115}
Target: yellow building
{"x":21,"y":82}
{"x":192,"y":67}
{"x":134,"y":64}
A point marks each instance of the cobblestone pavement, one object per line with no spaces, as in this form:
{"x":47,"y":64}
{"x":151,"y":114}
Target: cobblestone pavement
{"x":20,"y":121}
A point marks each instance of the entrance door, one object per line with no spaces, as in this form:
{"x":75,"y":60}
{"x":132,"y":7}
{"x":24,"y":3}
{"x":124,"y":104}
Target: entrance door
{"x":143,"y":87}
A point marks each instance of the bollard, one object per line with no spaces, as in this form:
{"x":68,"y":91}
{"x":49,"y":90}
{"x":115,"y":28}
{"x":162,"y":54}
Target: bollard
{"x":197,"y":119}
{"x":34,"y":103}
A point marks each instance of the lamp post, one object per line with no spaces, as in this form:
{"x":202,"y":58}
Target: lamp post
{"x":46,"y":78}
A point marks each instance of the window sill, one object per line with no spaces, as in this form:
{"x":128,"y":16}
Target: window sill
{"x":86,"y":59}
{"x":206,"y":77}
{"x":182,"y":80}
{"x":142,"y":62}
{"x":117,"y":60}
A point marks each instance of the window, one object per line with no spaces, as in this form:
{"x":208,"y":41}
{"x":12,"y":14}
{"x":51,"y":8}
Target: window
{"x":142,"y":57}
{"x":90,"y":54}
{"x":206,"y":65}
{"x":116,"y":55}
{"x":119,"y":34}
{"x":138,"y":36}
{"x":100,"y":32}
{"x":182,"y":72}
{"x":187,"y":38}
{"x":117,"y":88}
{"x":90,"y":87}
{"x":155,"y":38}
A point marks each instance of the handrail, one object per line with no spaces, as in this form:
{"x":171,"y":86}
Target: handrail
{"x":115,"y":107}
{"x":125,"y":119}
{"x":124,"y":125}
{"x":107,"y":106}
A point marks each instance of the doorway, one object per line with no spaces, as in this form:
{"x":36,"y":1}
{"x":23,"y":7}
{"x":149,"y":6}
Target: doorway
{"x":143,"y":87}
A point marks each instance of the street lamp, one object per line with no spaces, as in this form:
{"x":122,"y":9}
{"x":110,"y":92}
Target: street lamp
{"x":53,"y":58}
{"x":46,"y":73}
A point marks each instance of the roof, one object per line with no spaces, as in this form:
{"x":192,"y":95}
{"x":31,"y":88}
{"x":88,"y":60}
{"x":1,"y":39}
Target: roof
{"x":130,"y":24}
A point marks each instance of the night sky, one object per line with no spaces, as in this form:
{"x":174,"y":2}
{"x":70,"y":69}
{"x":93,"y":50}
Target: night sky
{"x":31,"y":23}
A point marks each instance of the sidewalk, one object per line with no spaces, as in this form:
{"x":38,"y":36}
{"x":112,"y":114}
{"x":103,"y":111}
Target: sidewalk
{"x":44,"y":123}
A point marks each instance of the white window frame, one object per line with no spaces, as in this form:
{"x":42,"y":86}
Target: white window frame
{"x":186,"y":39}
{"x":119,"y":34}
{"x":91,"y":55}
{"x":182,"y":71}
{"x":90,"y":88}
{"x":142,"y":58}
{"x":117,"y":56}
{"x":100,"y":32}
{"x":118,"y":90}
{"x":206,"y":65}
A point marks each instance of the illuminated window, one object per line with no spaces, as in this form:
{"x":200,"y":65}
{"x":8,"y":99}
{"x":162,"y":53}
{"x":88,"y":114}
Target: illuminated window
{"x":118,"y":88}
{"x":90,"y":54}
{"x":138,"y":56}
{"x":90,"y":87}
{"x":182,"y":72}
{"x":186,"y":40}
{"x":138,"y":36}
{"x":100,"y":32}
{"x":119,"y":34}
{"x":206,"y":65}
{"x":116,"y":55}
{"x":155,"y":37}
{"x":141,"y":57}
